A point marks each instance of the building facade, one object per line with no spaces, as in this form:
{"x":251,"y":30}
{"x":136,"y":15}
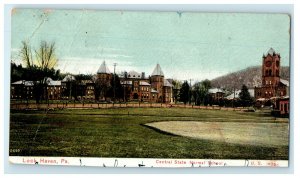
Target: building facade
{"x":136,"y":87}
{"x":272,"y":85}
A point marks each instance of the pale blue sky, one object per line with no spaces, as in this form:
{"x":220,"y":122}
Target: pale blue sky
{"x":186,"y":45}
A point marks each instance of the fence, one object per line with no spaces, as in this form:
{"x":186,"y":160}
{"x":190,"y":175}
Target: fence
{"x":31,"y":106}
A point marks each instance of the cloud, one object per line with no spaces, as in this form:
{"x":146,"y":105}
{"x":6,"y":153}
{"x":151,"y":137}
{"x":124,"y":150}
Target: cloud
{"x":83,"y":65}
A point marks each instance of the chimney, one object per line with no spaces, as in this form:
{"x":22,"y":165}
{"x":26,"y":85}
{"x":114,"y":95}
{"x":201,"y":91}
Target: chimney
{"x":125,"y":74}
{"x":143,"y":75}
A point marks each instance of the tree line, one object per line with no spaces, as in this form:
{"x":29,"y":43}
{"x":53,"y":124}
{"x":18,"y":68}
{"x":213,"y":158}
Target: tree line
{"x":198,"y":94}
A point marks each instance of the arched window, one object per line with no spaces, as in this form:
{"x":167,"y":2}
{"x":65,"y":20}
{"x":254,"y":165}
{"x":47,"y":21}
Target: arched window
{"x":277,"y":73}
{"x":270,"y":72}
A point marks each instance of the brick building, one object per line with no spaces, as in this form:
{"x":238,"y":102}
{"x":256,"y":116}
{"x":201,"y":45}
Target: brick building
{"x":22,"y":90}
{"x":138,"y":87}
{"x":273,"y":91}
{"x":272,"y":85}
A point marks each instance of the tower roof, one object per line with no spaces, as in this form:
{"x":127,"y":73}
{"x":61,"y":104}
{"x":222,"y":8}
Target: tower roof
{"x":103,"y":69}
{"x":271,"y":51}
{"x":69,"y":78}
{"x":157,"y":71}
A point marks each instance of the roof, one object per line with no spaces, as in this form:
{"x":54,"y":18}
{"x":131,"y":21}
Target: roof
{"x":271,"y":51}
{"x":153,"y":90}
{"x":285,"y":82}
{"x":51,"y":82}
{"x":54,"y":83}
{"x":84,"y":82}
{"x":237,"y":92}
{"x":28,"y":83}
{"x":19,"y":82}
{"x":215,"y":90}
{"x":103,"y":69}
{"x":134,"y":74}
{"x":144,"y":83}
{"x":69,"y":78}
{"x":157,"y":71}
{"x":24,"y":82}
{"x":167,"y":83}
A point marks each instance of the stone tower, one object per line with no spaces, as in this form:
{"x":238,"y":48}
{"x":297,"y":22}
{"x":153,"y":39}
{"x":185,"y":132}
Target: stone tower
{"x":271,"y":69}
{"x":103,"y":74}
{"x":157,"y":82}
{"x":102,"y":82}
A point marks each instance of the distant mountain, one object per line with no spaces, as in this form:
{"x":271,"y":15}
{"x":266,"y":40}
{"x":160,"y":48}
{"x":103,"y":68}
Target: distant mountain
{"x":250,"y":76}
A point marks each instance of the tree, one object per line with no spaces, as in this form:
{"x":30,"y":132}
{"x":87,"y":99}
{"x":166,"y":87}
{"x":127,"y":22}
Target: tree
{"x":44,"y":59}
{"x":196,"y":92}
{"x":244,"y":96}
{"x":119,"y":90}
{"x":39,"y":65}
{"x":101,"y":88}
{"x":202,"y":92}
{"x":184,"y":92}
{"x":176,"y":87}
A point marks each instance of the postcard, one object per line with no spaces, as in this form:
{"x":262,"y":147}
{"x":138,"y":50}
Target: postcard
{"x":149,"y":89}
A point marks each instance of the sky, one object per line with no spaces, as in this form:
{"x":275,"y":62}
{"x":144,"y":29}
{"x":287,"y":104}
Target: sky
{"x":187,"y":46}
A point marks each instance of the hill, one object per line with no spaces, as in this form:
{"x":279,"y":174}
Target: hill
{"x":250,"y":76}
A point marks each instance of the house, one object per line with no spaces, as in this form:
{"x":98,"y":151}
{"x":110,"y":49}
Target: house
{"x":216,"y":93}
{"x":22,"y":90}
{"x":53,"y":90}
{"x":236,"y":94}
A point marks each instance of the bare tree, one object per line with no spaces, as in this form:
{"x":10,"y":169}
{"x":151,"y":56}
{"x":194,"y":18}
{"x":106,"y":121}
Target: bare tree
{"x":39,"y":64}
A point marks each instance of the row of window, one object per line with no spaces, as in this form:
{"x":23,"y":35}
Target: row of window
{"x":284,"y":107}
{"x":270,"y":73}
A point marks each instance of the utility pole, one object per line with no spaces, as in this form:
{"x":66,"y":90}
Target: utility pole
{"x":115,"y":82}
{"x":190,"y":92}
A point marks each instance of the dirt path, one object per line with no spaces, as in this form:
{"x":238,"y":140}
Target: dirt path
{"x":260,"y":134}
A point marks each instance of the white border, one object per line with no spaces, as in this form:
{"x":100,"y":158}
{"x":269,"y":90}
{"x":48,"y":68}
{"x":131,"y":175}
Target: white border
{"x":217,"y":8}
{"x":145,"y":162}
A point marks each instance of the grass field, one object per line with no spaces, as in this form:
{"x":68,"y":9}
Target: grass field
{"x":124,"y":133}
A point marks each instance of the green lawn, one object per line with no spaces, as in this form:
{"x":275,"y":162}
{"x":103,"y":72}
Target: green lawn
{"x":122,"y":133}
